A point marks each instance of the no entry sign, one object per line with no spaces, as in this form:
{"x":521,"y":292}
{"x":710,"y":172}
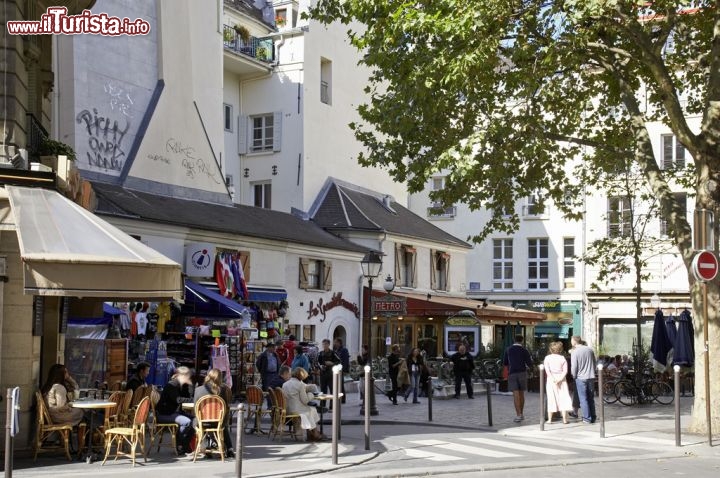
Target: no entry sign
{"x":705,"y":266}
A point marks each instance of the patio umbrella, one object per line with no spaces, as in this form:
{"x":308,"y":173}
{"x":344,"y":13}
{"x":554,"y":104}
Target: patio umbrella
{"x":671,"y":329}
{"x":660,"y":344}
{"x":684,"y":342}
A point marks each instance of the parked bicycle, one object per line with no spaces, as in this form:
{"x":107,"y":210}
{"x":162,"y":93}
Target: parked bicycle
{"x":628,"y":392}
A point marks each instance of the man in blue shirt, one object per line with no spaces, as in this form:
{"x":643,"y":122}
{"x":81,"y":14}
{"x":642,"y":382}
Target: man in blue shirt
{"x":518,"y":360}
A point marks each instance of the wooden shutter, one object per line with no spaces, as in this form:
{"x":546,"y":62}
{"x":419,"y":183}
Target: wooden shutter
{"x":242,"y":133}
{"x":398,"y":251}
{"x":304,"y":266}
{"x":433,"y":279}
{"x":327,"y":275}
{"x":447,"y":271}
{"x":413,"y":283}
{"x":277,"y":130}
{"x":245,"y":262}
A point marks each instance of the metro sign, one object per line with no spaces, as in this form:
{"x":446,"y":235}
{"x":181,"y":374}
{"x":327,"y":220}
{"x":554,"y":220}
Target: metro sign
{"x":705,"y":266}
{"x":389,"y":305}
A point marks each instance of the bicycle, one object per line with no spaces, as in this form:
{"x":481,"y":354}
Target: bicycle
{"x":649,"y":390}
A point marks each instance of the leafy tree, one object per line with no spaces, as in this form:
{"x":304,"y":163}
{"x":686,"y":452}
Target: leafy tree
{"x":506,"y":95}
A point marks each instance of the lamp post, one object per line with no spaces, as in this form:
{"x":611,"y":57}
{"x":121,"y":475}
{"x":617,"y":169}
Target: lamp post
{"x":389,"y":286}
{"x":371,"y":267}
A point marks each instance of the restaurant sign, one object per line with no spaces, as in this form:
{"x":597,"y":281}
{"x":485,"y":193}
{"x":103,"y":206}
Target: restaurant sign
{"x":390,"y":305}
{"x":465,"y":321}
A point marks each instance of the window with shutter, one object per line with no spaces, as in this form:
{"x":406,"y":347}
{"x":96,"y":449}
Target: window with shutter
{"x":327,"y":275}
{"x":618,"y":216}
{"x":304,"y":266}
{"x":433,"y":270}
{"x":673,"y":152}
{"x":245,"y":261}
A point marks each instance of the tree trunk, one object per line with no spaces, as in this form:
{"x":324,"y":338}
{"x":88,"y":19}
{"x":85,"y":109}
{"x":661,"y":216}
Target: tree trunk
{"x":698,"y":422}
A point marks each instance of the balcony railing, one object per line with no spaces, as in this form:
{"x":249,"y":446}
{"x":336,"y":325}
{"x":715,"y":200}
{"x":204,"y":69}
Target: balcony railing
{"x":436,"y":211}
{"x":36,"y":135}
{"x":259,"y":48}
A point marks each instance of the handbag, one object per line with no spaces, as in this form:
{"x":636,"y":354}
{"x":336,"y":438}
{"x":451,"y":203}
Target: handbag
{"x":505,"y":372}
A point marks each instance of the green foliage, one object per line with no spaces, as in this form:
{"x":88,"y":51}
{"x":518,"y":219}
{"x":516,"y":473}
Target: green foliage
{"x":523,"y":96}
{"x":51,"y":147}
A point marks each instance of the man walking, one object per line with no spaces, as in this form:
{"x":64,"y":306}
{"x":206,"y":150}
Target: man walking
{"x":344,"y":357}
{"x":463,"y":366}
{"x":518,"y":360}
{"x":582,"y":360}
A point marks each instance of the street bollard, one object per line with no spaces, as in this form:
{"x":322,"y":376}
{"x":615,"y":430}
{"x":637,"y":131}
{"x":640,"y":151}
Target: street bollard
{"x":8,"y":434}
{"x":429,"y":398}
{"x":541,"y":381}
{"x":336,"y":413}
{"x":367,"y":407}
{"x":601,"y":394}
{"x":238,"y":440}
{"x":489,"y":402}
{"x":676,"y":369}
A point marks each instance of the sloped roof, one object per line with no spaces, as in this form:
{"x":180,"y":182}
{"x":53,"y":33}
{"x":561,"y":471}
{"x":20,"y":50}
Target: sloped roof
{"x":234,"y":219}
{"x":346,"y":206}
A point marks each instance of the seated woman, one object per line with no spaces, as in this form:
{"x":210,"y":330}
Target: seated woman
{"x":214,"y":386}
{"x":298,"y":400}
{"x":57,"y":397}
{"x":169,"y":409}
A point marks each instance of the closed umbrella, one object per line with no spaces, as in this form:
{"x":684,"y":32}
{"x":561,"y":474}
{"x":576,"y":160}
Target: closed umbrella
{"x":660,"y":344}
{"x":671,"y":330}
{"x":685,"y":341}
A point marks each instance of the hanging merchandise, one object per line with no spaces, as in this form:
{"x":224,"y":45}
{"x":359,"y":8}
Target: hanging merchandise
{"x":262,"y":324}
{"x":236,"y":266}
{"x":221,"y":362}
{"x":224,"y":276}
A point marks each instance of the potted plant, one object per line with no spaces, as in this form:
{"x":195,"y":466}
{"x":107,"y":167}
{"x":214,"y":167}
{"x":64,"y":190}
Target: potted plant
{"x":280,"y":21}
{"x":228,"y":36}
{"x":242,"y":32}
{"x":51,"y":147}
{"x":262,"y":53}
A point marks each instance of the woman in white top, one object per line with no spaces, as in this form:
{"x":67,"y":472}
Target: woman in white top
{"x":297,"y":403}
{"x":57,"y":397}
{"x":558,"y":394}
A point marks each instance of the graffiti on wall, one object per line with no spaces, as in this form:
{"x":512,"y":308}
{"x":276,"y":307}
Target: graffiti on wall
{"x":193,"y":165}
{"x":120,"y":99}
{"x":105,"y":139}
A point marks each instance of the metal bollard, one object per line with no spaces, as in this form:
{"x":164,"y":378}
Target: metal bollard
{"x":338,"y":403}
{"x":489,"y":402}
{"x":238,"y":440}
{"x":8,"y":434}
{"x":541,"y":381}
{"x":601,"y":394}
{"x":429,"y":399}
{"x":367,"y":407}
{"x":336,"y":413}
{"x":676,"y":369}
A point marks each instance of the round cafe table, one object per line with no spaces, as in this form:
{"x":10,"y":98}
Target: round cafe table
{"x":93,"y":406}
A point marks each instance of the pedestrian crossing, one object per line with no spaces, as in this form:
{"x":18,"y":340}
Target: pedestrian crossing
{"x":576,"y":445}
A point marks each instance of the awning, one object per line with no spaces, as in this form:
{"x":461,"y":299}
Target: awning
{"x":552,"y":328}
{"x":265,"y":294}
{"x":109,"y":310}
{"x":68,"y":251}
{"x":206,"y":303}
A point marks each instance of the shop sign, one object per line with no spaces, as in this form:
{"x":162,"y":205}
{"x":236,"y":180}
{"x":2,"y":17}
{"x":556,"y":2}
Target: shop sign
{"x":38,"y":315}
{"x":538,"y":305}
{"x":200,"y":259}
{"x":389,"y":305}
{"x":464,"y":321}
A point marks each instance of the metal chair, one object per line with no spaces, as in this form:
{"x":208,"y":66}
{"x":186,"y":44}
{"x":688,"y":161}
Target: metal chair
{"x":281,"y":417}
{"x":254,"y":400}
{"x":46,"y":428}
{"x":210,"y":415}
{"x":130,"y":435}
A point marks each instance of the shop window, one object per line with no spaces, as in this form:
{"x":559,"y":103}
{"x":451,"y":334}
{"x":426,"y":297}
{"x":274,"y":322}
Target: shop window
{"x":440,"y":270}
{"x":315,"y":274}
{"x":538,"y":264}
{"x":405,"y":266}
{"x":326,"y":81}
{"x":308,"y":333}
{"x":502,"y":263}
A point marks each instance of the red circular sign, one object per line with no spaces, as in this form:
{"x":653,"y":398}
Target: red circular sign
{"x":705,"y":266}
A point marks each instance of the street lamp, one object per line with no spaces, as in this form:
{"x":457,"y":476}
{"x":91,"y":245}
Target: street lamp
{"x":371,"y":267}
{"x":389,"y":286}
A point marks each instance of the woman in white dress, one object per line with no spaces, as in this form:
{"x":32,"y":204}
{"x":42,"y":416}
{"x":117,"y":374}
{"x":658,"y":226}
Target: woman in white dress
{"x":298,"y":398}
{"x":558,"y":394}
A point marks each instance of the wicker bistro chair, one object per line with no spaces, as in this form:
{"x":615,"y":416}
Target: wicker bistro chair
{"x":46,"y":428}
{"x":254,"y":401}
{"x":158,"y":430}
{"x":281,"y":417}
{"x":210,"y":415}
{"x":112,"y":415}
{"x":130,"y":435}
{"x":124,"y":408}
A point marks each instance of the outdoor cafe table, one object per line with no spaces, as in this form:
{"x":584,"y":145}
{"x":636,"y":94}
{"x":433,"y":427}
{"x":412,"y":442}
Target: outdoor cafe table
{"x":323,"y":397}
{"x":93,"y":406}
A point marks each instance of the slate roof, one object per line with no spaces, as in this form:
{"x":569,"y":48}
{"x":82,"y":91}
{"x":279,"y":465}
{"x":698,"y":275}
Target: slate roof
{"x":247,"y":8}
{"x":344,"y":206}
{"x":234,"y":219}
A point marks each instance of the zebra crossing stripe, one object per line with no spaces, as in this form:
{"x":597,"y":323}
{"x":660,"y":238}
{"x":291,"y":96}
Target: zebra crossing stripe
{"x":470,"y":450}
{"x":579,"y":446}
{"x":519,"y":446}
{"x":428,"y":455}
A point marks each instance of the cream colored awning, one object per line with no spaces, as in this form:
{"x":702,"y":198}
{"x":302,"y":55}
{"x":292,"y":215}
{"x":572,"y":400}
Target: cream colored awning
{"x":68,"y":251}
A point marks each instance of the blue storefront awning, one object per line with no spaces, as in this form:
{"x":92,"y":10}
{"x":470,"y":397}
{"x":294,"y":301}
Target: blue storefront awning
{"x":206,"y":303}
{"x":109,"y":310}
{"x":265,"y":294}
{"x":552,"y":328}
